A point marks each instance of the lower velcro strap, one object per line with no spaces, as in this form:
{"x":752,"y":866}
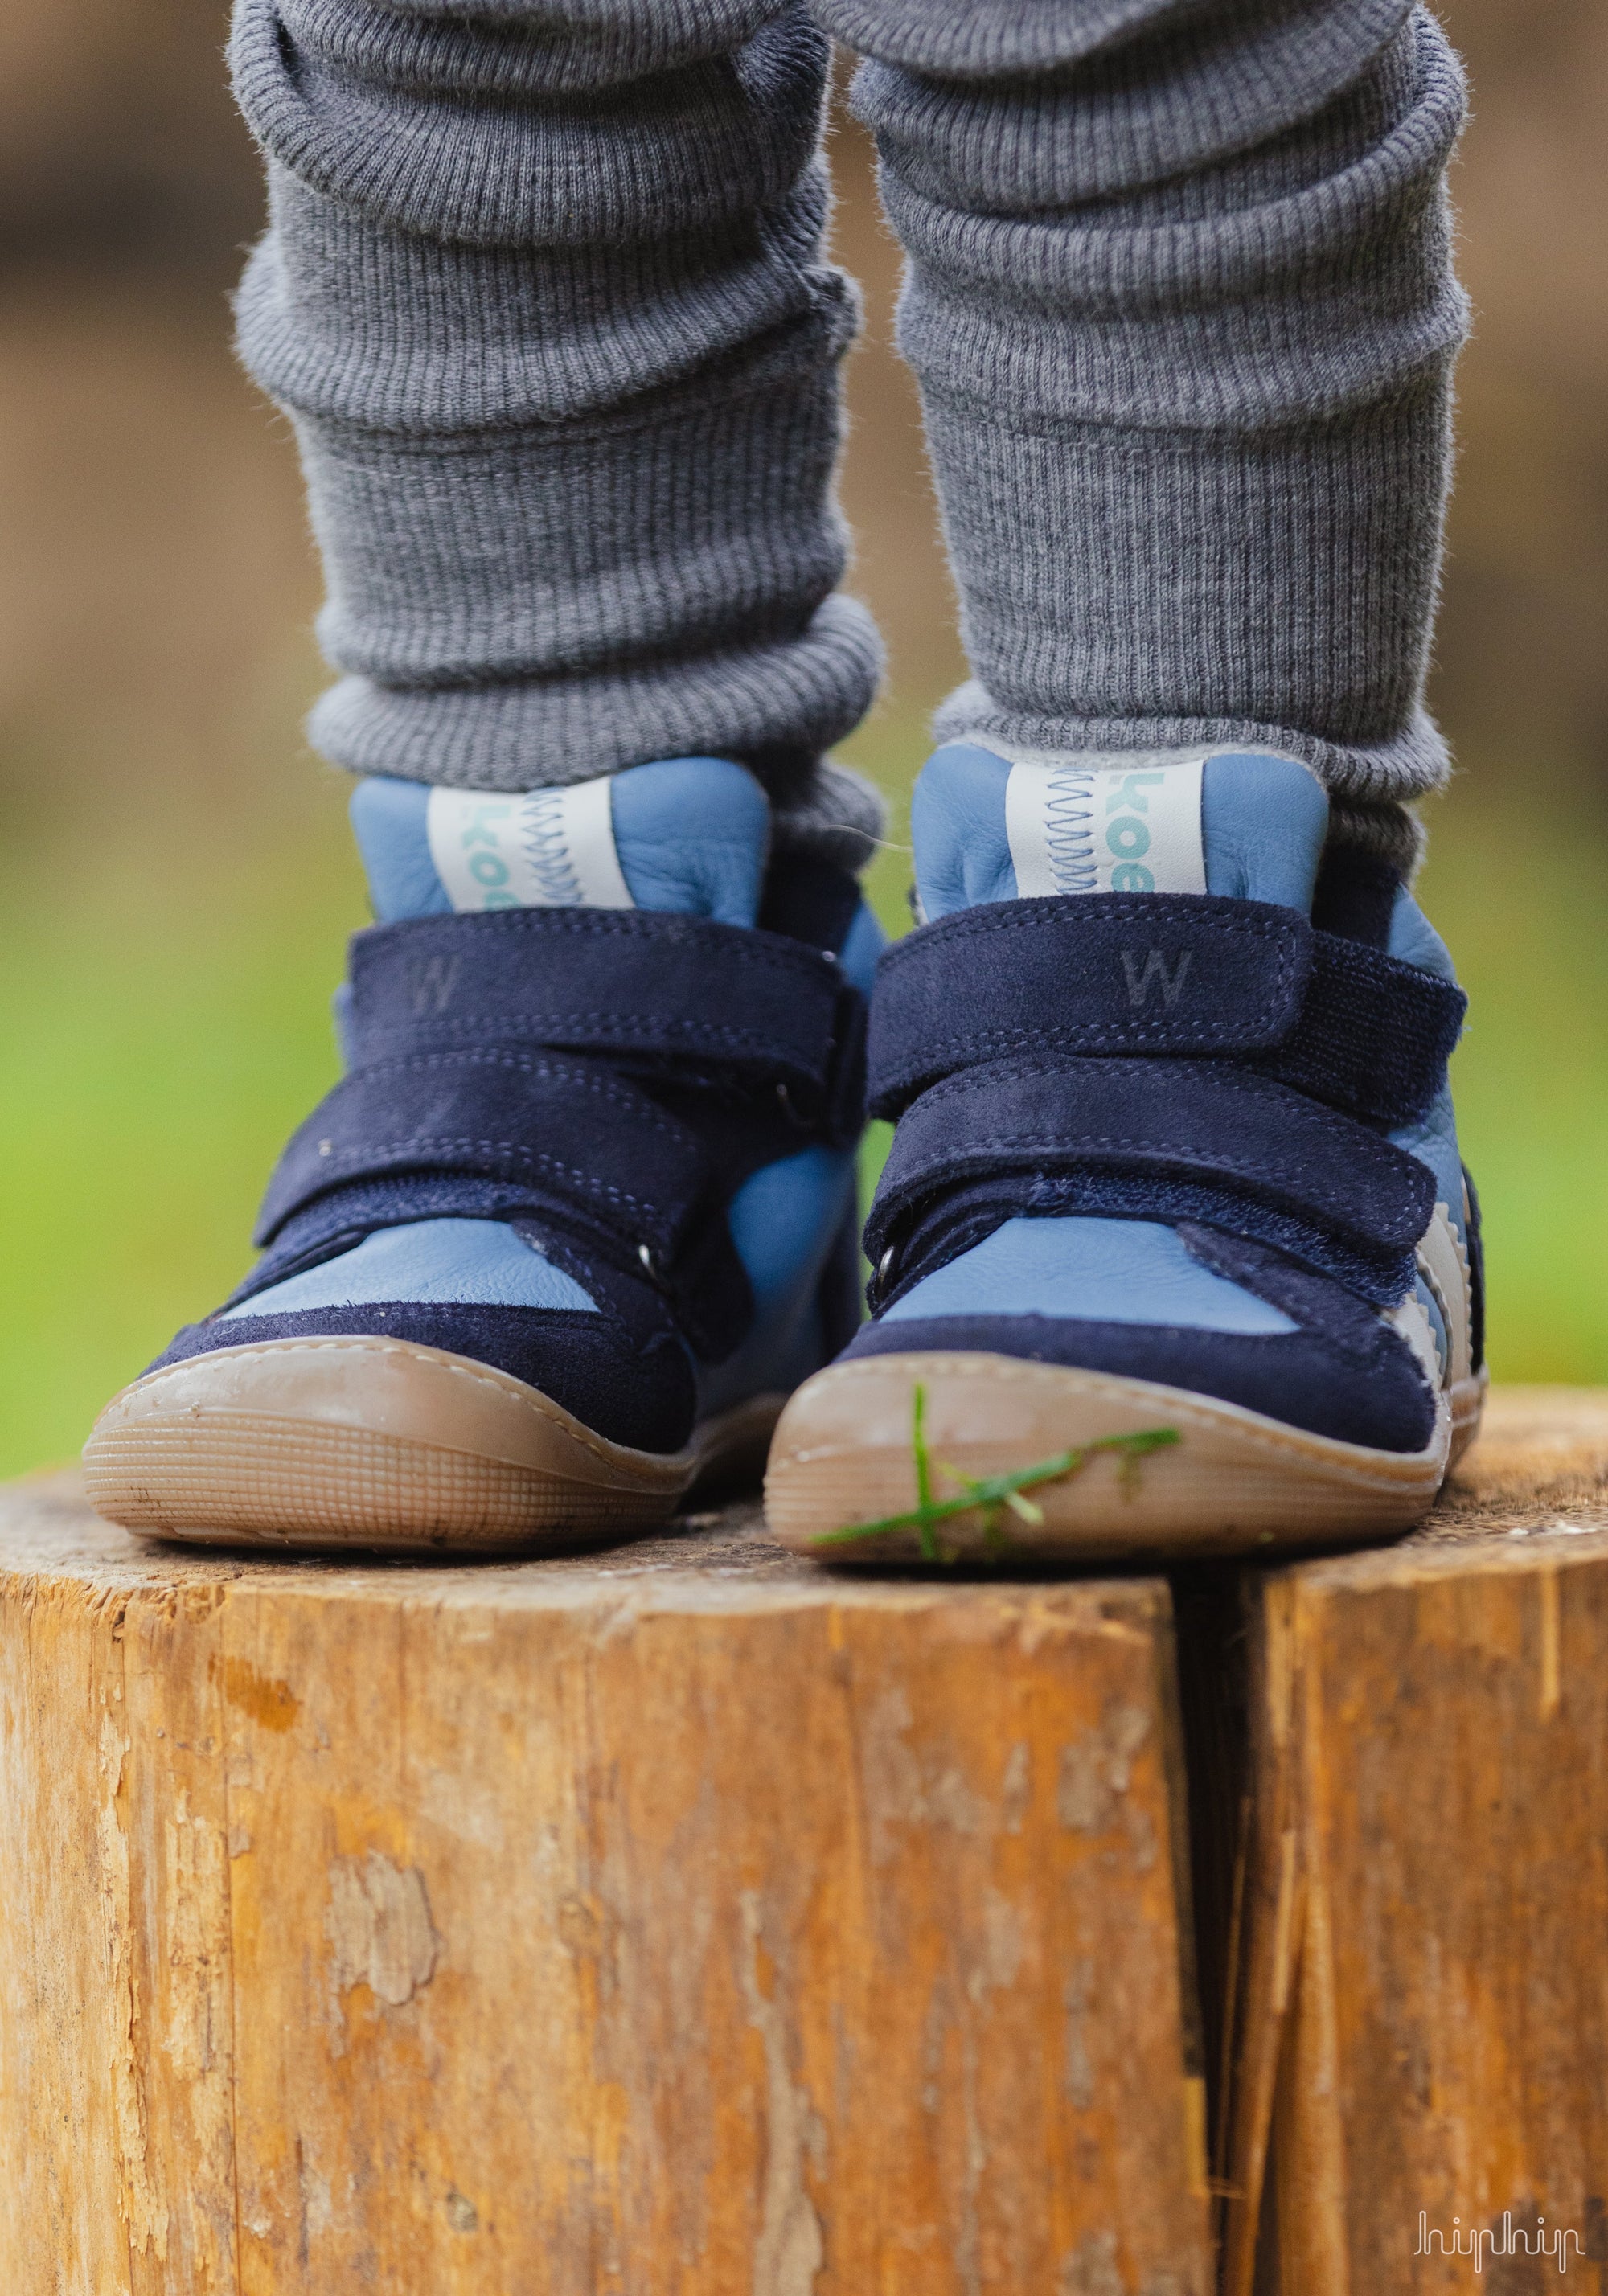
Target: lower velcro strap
{"x":1348,"y":1323}
{"x":954,"y":1217}
{"x":1204,"y":1124}
{"x":503,"y":1114}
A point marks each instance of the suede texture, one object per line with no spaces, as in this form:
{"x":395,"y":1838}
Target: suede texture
{"x":641,"y":985}
{"x":1355,"y":895}
{"x":503,"y":1112}
{"x":1185,"y":975}
{"x":951,"y":1219}
{"x":1090,"y":972}
{"x":640,"y":1395}
{"x":706,"y":1051}
{"x":1327,"y":1311}
{"x":1026,"y":1122}
{"x":1302,"y":1379}
{"x":604,"y":1082}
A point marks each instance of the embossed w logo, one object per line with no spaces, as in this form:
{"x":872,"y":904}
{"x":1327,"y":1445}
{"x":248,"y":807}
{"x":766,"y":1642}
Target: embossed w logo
{"x":1155,"y":969}
{"x":431,"y":982}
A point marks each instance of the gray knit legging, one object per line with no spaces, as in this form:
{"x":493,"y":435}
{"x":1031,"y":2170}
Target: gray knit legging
{"x":543,"y":292}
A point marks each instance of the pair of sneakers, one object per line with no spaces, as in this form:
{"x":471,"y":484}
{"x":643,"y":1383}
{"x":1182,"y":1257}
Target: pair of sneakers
{"x":1173,"y":1250}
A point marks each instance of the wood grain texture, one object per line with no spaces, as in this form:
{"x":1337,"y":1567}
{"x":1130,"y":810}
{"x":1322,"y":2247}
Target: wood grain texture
{"x":1421,"y":2016}
{"x":677,"y":1920}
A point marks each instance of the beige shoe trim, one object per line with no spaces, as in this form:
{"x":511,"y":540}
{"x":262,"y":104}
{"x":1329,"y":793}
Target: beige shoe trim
{"x":1235,"y":1482}
{"x":382,"y":1444}
{"x":1466,"y":1397}
{"x":1443,"y":1263}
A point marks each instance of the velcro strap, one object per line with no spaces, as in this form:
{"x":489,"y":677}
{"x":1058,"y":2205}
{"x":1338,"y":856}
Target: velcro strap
{"x":633,"y":983}
{"x":1178,"y":975}
{"x":503,"y":1114}
{"x":1184,"y":973}
{"x":1375,"y":1034}
{"x":1189,"y":1120}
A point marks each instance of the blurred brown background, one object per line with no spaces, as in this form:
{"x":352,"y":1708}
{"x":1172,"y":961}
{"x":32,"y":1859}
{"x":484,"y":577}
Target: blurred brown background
{"x":155,"y":588}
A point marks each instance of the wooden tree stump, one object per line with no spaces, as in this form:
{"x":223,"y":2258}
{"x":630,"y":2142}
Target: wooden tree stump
{"x":683,"y":1919}
{"x":1422,"y":2014}
{"x":676,"y":1921}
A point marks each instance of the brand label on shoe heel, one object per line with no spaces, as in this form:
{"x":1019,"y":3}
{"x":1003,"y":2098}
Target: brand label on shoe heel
{"x":551,"y":848}
{"x":1106,"y":826}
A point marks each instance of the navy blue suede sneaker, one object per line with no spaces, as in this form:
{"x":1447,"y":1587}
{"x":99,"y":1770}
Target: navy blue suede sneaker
{"x":579,"y":1214}
{"x":1175,"y":1158}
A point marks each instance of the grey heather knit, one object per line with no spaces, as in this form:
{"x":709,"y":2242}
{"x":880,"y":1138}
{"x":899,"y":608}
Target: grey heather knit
{"x":542,"y":293}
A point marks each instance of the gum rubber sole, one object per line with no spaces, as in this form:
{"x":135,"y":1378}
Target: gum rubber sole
{"x":386,"y":1446}
{"x":1235,"y":1482}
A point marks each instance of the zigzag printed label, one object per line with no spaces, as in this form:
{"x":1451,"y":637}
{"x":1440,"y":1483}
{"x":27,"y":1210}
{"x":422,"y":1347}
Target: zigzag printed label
{"x":550,"y":849}
{"x":1105,"y":825}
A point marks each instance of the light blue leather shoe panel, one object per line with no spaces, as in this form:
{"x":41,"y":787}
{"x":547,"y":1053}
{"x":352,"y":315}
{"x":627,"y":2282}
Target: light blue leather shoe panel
{"x":958,"y":825}
{"x":780,"y":1216}
{"x":1434,"y":1138}
{"x":693,"y":834}
{"x":784,"y":1221}
{"x":388,"y":819}
{"x":469,"y":1262}
{"x":1415,"y":941}
{"x":1262,"y":826}
{"x":1102,"y":1271}
{"x":863,"y":944}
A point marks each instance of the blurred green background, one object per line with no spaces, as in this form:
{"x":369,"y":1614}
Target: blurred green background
{"x":176,"y":883}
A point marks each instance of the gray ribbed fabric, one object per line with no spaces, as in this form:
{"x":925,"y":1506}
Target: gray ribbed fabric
{"x":542,"y":293}
{"x":1183,"y":314}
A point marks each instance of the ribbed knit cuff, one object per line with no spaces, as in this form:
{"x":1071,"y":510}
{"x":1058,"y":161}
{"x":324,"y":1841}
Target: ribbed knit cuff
{"x":1183,"y":316}
{"x":550,"y":316}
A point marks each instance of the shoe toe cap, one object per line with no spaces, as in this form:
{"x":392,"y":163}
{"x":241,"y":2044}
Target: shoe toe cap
{"x":1376,"y":1394}
{"x":642,"y":1396}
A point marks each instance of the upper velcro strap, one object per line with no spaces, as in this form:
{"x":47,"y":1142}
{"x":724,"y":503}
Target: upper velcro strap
{"x":503,"y":1114}
{"x":1165,"y":975}
{"x":635,"y":983}
{"x":1158,"y":974}
{"x":1174,"y":1117}
{"x":1375,"y":1034}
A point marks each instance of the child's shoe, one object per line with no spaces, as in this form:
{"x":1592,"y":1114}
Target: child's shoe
{"x":581,"y":1212}
{"x":1175,"y":1175}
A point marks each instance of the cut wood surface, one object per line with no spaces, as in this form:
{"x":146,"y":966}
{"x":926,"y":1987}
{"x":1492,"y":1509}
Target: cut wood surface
{"x":1422,"y":2020}
{"x":685,"y":1919}
{"x":680,"y":1919}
